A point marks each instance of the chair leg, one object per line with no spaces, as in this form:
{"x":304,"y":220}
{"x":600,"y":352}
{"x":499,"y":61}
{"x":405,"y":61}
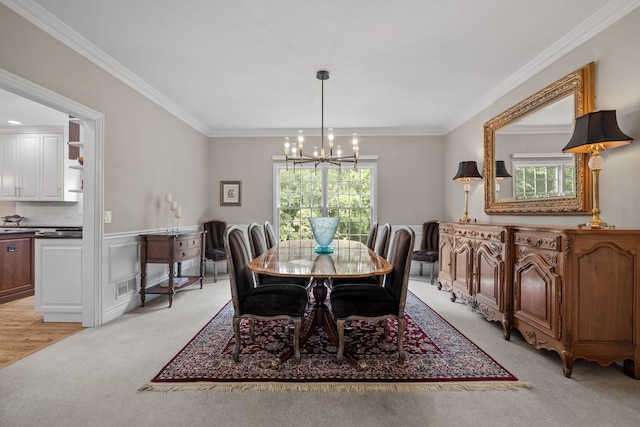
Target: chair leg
{"x":236,"y":334}
{"x":340,"y":354}
{"x":297,"y":325}
{"x":433,"y":265}
{"x":215,"y":271}
{"x":402,"y":324}
{"x":421,"y":269}
{"x":252,"y":327}
{"x":385,"y":325}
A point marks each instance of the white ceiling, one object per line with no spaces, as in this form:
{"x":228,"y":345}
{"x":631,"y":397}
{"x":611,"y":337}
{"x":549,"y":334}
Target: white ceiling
{"x":247,"y":67}
{"x":28,"y":113}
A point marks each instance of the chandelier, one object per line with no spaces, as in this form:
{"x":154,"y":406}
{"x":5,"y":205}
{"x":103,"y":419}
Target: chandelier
{"x":294,"y":152}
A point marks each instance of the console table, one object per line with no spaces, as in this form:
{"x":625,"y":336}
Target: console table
{"x":170,"y":248}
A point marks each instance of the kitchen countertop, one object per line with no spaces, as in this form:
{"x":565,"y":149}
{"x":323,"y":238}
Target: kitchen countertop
{"x":48,"y":233}
{"x":8,"y":231}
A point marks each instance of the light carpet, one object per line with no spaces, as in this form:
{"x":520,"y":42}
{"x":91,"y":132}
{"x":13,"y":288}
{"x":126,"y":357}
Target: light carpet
{"x":438,"y":357}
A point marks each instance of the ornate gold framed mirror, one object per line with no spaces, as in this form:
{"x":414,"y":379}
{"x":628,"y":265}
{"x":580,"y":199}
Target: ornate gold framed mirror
{"x":527,"y":140}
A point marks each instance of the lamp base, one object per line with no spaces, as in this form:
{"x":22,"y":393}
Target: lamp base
{"x":466,"y":219}
{"x":324,"y":250}
{"x":596,"y":225}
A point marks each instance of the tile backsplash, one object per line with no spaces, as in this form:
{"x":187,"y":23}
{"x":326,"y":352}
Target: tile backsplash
{"x":45,"y":213}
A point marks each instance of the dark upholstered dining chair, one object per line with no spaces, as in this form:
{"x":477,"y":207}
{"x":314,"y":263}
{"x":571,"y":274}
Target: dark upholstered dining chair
{"x":382,"y":240}
{"x":371,"y":240}
{"x":429,"y":251}
{"x":214,"y":245}
{"x":267,"y":302}
{"x":380,"y":246}
{"x":270,"y":235}
{"x":258,"y":244}
{"x":374,"y":302}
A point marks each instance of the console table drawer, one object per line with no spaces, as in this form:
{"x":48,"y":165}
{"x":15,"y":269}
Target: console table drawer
{"x":183,"y":254}
{"x":192,"y":242}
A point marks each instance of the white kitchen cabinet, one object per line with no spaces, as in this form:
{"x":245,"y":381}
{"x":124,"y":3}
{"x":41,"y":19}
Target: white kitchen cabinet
{"x":58,"y":279}
{"x":52,"y":172}
{"x":31,"y":167}
{"x":19,"y":167}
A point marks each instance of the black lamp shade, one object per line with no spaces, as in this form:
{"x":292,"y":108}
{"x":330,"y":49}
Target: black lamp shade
{"x":599,"y":127}
{"x":501,"y":170}
{"x":467,"y":170}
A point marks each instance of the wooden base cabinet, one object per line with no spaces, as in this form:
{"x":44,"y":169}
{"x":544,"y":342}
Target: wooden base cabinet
{"x":575,"y":292}
{"x":570,"y":290}
{"x":473,"y":268}
{"x":16,"y":266}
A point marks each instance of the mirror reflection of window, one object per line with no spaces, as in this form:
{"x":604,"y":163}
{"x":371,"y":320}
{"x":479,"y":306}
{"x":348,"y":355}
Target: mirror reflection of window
{"x":537,"y":135}
{"x":542,"y":176}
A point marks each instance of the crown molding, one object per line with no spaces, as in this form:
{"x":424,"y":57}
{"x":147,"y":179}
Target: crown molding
{"x":315,"y":132}
{"x":597,"y":22}
{"x":603,"y":18}
{"x":47,"y":22}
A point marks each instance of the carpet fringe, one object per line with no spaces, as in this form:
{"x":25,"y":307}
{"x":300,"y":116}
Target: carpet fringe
{"x":327,"y":387}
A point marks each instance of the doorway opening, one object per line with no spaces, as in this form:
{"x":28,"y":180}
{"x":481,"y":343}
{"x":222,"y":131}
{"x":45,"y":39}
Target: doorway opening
{"x":93,"y":133}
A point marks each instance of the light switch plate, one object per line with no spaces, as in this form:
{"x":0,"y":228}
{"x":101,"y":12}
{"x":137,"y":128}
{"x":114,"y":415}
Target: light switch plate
{"x":107,"y":217}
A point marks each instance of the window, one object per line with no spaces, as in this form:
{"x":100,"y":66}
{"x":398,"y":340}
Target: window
{"x":306,"y":191}
{"x":543,"y":175}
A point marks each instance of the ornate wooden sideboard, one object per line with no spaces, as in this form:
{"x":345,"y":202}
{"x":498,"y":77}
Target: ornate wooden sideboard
{"x":571,"y":290}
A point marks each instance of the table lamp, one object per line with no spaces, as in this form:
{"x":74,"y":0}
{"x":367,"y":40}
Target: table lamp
{"x":596,"y":132}
{"x":467,"y":171}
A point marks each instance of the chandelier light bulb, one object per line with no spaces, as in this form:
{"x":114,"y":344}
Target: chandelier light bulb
{"x":286,"y":145}
{"x":318,"y":154}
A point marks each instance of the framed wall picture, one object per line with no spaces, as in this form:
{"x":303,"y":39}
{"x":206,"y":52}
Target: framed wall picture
{"x":230,"y":193}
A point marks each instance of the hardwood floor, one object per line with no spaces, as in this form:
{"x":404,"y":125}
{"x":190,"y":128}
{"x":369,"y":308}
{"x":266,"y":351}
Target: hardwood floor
{"x":23,"y":331}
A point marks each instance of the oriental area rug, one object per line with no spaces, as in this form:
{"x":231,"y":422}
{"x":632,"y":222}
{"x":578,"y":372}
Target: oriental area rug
{"x":439,"y":357}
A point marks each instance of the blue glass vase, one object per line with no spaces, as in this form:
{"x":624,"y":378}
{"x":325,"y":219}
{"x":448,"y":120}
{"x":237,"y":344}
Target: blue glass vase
{"x":324,"y":230}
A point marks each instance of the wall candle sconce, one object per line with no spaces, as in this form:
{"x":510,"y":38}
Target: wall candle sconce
{"x":467,"y":171}
{"x":501,"y":173}
{"x":596,"y":132}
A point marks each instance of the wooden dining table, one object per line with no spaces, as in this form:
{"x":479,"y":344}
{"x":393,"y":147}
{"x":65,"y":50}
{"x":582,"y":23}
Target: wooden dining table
{"x":297,"y":258}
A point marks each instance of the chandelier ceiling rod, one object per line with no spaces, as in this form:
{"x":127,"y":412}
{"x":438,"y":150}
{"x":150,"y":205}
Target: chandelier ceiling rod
{"x":322,"y":75}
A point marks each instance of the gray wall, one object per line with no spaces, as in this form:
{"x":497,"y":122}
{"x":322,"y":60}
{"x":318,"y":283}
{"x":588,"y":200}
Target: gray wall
{"x":147,"y":151}
{"x":617,"y":58}
{"x":410,"y":176}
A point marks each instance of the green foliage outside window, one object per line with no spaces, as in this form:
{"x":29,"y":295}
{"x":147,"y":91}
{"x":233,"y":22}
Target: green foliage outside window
{"x":307,"y":192}
{"x":535,"y":182}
